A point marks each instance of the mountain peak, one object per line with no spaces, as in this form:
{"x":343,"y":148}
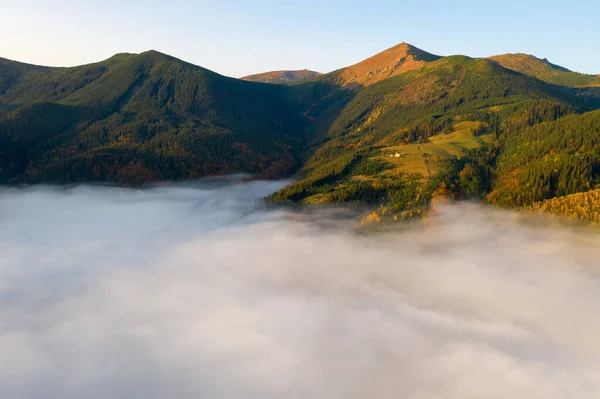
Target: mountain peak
{"x":157,"y":55}
{"x":403,"y":45}
{"x":146,"y":55}
{"x":394,"y":61}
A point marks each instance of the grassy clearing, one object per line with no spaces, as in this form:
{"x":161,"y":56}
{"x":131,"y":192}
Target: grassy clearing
{"x":426,"y":158}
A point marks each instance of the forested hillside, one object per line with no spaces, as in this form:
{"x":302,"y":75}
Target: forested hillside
{"x":583,"y":206}
{"x":138,"y":118}
{"x":547,"y":160}
{"x":395,"y":130}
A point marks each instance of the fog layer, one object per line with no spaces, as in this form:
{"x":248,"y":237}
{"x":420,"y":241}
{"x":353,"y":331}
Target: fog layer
{"x":203,"y":292}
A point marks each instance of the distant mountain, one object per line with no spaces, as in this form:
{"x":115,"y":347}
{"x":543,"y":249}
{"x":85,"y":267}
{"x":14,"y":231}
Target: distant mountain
{"x":282,"y":77}
{"x":545,"y":70}
{"x":395,"y":130}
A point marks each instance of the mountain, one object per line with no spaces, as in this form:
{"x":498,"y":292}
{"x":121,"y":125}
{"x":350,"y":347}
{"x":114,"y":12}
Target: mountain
{"x":395,"y":130}
{"x":282,"y":77}
{"x":391,"y":62}
{"x":141,"y":117}
{"x":436,"y":129}
{"x":545,"y":70}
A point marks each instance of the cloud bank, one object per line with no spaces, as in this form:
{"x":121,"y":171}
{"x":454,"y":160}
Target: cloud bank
{"x":204,"y":292}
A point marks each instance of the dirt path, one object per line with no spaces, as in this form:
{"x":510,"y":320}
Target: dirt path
{"x":426,"y":160}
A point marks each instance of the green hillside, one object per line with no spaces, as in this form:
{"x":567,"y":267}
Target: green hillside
{"x":547,"y":160}
{"x":397,"y":141}
{"x":136,"y":118}
{"x":545,"y":70}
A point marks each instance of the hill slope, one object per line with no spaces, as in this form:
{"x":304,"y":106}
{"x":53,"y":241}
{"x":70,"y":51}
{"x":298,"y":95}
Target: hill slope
{"x":397,"y":141}
{"x":549,"y":159}
{"x":282,"y":77}
{"x":135,"y":118}
{"x":544,"y":70}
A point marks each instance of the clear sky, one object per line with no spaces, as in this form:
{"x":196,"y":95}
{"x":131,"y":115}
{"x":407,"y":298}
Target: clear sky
{"x":240,"y":37}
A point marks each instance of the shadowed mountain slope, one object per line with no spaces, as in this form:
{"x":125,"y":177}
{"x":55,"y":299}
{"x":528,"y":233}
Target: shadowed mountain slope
{"x":142,"y":117}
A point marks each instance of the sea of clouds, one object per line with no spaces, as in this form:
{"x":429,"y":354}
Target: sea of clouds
{"x":203,"y":291}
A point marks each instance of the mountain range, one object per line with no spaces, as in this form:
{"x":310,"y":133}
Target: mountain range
{"x":395,"y":130}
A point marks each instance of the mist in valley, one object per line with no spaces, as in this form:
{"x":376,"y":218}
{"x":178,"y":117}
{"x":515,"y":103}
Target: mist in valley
{"x":203,"y":291}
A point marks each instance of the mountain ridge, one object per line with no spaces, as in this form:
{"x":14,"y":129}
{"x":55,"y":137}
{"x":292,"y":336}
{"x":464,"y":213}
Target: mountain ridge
{"x":381,"y":61}
{"x":282,"y":76}
{"x":543,"y":69}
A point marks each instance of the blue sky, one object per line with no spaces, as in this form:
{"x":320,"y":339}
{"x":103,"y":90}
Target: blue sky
{"x":240,"y":37}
